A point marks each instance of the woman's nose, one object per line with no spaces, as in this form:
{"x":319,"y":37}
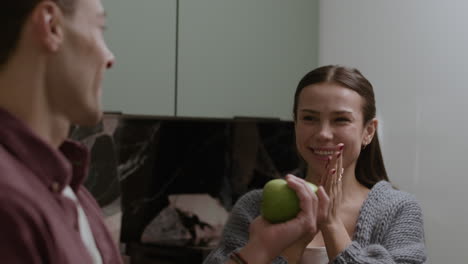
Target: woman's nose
{"x":325,"y":132}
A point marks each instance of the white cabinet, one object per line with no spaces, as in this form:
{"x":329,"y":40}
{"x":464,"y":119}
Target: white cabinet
{"x":142,"y":35}
{"x":209,"y":58}
{"x":244,"y":57}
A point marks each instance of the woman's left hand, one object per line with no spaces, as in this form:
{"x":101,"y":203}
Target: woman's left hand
{"x":330,"y":202}
{"x":333,"y":230}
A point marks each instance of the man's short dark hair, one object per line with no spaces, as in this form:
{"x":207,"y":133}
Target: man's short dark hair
{"x":13,"y":15}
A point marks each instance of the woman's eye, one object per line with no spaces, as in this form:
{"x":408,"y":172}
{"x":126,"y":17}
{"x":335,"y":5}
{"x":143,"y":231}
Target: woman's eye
{"x":342,"y":119}
{"x":309,"y":118}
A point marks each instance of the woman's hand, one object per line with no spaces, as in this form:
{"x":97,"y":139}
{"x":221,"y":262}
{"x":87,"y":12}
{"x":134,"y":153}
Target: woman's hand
{"x":267,"y":240}
{"x":333,"y":230}
{"x":332,"y":182}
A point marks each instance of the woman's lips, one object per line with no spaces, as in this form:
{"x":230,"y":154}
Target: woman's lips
{"x":321,"y":154}
{"x":324,"y":153}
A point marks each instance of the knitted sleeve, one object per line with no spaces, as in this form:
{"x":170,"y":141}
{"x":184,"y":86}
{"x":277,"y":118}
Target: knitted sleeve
{"x":401,"y":238}
{"x":236,"y":231}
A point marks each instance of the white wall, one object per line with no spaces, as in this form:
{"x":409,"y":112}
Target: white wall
{"x":415,"y":53}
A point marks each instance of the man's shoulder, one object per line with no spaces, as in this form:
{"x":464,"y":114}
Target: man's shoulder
{"x":19,"y":188}
{"x":14,"y":176}
{"x":17,"y":207}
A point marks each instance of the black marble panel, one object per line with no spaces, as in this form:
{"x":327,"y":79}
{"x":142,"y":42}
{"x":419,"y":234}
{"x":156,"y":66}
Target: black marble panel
{"x":139,"y":163}
{"x":103,"y":179}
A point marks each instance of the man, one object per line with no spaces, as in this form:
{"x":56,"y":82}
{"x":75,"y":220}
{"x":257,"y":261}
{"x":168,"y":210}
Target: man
{"x":52,"y":59}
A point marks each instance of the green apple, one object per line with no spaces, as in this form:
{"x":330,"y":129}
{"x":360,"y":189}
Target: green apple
{"x":280,"y":203}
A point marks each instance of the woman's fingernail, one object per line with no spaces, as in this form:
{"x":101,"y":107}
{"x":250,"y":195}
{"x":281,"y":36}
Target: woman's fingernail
{"x":341,"y":147}
{"x":333,"y":171}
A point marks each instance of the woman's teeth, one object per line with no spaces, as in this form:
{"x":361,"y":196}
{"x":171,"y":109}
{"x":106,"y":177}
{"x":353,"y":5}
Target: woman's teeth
{"x":324,"y":152}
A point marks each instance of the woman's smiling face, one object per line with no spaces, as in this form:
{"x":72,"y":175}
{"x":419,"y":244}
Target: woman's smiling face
{"x":328,"y":114}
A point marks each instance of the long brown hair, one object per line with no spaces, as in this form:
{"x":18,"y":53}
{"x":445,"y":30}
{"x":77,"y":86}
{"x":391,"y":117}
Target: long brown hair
{"x":370,"y":167}
{"x":13,"y":15}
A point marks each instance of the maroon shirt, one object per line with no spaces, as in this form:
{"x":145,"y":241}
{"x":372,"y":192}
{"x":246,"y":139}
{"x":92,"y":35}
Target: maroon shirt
{"x":37,"y":223}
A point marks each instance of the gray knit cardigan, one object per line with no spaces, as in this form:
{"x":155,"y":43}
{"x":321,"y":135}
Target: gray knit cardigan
{"x":389,"y":229}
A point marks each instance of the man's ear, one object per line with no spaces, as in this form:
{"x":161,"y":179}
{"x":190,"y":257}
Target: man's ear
{"x":369,"y":131}
{"x":48,"y":21}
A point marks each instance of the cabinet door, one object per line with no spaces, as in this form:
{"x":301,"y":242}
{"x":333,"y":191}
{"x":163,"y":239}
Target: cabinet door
{"x":142,"y":36}
{"x":244,"y":57}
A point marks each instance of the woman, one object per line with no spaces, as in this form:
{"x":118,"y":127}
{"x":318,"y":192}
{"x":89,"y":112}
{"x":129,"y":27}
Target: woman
{"x":360,"y":218}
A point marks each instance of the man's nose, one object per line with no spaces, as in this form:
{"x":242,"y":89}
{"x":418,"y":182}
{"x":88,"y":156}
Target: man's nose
{"x":110,"y":61}
{"x":110,"y":57}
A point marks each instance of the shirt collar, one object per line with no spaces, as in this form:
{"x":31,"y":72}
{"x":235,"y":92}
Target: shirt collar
{"x":56,"y":168}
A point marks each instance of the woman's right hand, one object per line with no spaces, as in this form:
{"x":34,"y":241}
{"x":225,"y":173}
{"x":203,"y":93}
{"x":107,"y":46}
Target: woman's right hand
{"x":266,"y":241}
